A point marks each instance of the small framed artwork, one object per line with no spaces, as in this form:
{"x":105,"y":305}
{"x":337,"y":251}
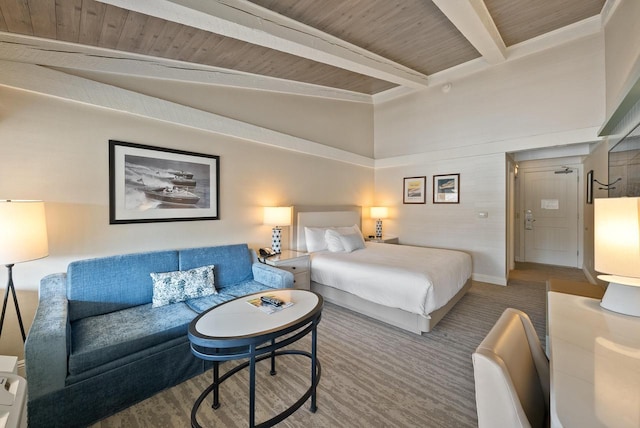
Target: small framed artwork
{"x":590,"y":187}
{"x":446,"y":189}
{"x":153,"y":184}
{"x":414,"y":190}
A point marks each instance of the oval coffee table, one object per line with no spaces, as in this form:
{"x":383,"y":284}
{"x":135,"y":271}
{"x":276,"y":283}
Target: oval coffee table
{"x":236,"y":329}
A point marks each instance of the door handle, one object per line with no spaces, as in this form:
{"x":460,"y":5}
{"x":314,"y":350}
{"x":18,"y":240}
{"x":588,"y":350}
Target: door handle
{"x":528,"y":220}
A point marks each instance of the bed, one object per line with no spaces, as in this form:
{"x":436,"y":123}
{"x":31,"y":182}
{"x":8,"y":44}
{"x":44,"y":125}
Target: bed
{"x":406,"y":286}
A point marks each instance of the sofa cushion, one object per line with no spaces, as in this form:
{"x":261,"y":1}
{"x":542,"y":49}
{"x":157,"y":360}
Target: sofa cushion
{"x":104,"y":338}
{"x":231,"y":292}
{"x":233,"y":262}
{"x":178,"y":286}
{"x":107,"y":284}
{"x":201,"y":304}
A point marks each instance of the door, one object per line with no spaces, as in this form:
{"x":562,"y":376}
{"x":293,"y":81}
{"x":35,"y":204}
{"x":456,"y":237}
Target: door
{"x":551,"y":216}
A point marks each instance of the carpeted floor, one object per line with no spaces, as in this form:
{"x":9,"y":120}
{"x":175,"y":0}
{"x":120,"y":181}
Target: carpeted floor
{"x":373,"y":375}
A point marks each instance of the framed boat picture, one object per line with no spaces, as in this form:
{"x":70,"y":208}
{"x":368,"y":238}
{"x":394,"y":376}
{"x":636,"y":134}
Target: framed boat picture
{"x":155,"y":184}
{"x":446,"y":189}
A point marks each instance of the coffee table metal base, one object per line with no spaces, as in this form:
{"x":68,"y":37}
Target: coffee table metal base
{"x":217,"y":380}
{"x":233,"y":331}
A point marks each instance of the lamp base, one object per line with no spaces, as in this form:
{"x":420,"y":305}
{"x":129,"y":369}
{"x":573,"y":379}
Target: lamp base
{"x":12,"y":289}
{"x":621,"y":298}
{"x":379,"y":228}
{"x":276,"y":239}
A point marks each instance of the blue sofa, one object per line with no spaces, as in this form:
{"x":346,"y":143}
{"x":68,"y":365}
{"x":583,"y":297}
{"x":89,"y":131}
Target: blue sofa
{"x":97,"y":346}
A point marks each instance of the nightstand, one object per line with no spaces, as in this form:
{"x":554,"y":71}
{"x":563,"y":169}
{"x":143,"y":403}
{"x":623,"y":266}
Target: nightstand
{"x":384,"y":240}
{"x":295,"y":262}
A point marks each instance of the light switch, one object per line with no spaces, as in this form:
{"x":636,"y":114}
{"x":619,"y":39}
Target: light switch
{"x":483,"y":214}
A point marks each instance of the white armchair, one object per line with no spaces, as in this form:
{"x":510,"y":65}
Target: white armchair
{"x":511,"y":374}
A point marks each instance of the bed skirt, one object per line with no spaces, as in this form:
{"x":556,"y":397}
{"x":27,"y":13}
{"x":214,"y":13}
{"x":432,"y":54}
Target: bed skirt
{"x":414,"y":323}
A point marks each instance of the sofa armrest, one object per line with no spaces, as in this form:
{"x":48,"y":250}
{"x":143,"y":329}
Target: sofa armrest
{"x":47,"y":343}
{"x":271,"y":276}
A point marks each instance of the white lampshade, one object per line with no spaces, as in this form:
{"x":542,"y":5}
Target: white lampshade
{"x":379,"y":212}
{"x":23,"y":231}
{"x":617,"y":253}
{"x":617,"y":236}
{"x":277,"y":216}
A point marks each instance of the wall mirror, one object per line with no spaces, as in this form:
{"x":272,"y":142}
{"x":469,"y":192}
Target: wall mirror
{"x":624,"y":167}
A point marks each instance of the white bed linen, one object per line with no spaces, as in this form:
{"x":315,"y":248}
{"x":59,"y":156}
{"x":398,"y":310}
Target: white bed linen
{"x":416,"y":279}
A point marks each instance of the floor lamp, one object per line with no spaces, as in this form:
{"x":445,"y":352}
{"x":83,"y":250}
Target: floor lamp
{"x":23,"y":237}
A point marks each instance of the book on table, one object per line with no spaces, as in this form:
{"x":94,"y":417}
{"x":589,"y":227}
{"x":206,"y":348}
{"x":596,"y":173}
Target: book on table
{"x":266,"y":307}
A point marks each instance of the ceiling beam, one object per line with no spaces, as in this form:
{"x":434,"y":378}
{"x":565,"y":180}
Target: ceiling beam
{"x":41,"y":80}
{"x":473,"y":20}
{"x":586,"y":28}
{"x":243,"y":20}
{"x":52,"y":53}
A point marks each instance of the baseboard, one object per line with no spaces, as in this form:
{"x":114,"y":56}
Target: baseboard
{"x":490,"y":279}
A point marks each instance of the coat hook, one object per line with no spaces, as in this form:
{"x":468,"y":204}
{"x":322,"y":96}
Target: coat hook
{"x":607,"y":186}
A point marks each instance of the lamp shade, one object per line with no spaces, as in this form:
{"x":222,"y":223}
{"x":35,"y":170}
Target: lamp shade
{"x":617,"y":236}
{"x":23,"y":231}
{"x":277,"y":216}
{"x":379,"y":212}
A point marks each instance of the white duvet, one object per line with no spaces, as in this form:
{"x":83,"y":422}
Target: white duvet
{"x":416,"y":279}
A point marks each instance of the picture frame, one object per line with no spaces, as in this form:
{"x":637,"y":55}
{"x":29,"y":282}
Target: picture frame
{"x":446,"y":189}
{"x":155,"y":184}
{"x":414,"y":189}
{"x":590,"y":187}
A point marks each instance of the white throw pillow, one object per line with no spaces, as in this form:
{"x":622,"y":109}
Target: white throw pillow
{"x":334,"y":243}
{"x":314,"y":238}
{"x":352,"y":242}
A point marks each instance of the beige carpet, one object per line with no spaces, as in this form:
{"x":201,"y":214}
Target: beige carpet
{"x":373,"y":375}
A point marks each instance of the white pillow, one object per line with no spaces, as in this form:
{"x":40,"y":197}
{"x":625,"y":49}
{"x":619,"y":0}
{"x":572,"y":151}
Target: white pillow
{"x":334,"y":235}
{"x":314,"y":238}
{"x":334,"y":244}
{"x":345,"y":230}
{"x":352,"y":241}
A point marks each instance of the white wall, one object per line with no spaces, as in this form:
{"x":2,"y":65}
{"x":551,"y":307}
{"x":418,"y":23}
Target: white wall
{"x":598,"y":162}
{"x":551,"y":92}
{"x":343,"y":125}
{"x":622,"y":33}
{"x":57,"y":151}
{"x":453,"y":226}
{"x":552,"y":98}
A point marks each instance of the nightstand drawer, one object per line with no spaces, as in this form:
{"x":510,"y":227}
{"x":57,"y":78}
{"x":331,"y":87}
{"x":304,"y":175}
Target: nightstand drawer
{"x":295,"y":266}
{"x":302,"y":280}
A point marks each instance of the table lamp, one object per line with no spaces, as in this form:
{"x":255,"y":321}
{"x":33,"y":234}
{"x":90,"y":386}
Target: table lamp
{"x":379,"y":213}
{"x":276,"y":217}
{"x":23,"y":237}
{"x":617,"y":252}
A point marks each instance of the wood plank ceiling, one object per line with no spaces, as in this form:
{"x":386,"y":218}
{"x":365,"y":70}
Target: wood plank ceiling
{"x":413,"y":33}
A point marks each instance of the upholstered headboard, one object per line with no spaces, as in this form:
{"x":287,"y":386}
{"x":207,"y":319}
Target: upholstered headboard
{"x":321,"y":216}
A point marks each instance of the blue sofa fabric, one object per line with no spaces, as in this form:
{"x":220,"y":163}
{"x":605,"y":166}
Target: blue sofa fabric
{"x":108,"y":284}
{"x":49,"y":340}
{"x":94,"y":344}
{"x":97,"y":346}
{"x":232,"y":263}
